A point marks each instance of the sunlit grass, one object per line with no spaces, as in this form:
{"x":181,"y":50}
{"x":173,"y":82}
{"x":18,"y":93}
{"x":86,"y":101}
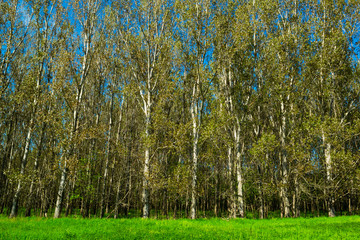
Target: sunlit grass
{"x":346,"y":227}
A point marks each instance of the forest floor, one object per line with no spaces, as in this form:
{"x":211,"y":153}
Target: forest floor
{"x":346,"y":227}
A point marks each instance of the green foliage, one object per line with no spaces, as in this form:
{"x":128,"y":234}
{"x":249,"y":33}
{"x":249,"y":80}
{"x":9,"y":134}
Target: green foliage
{"x":266,"y":144}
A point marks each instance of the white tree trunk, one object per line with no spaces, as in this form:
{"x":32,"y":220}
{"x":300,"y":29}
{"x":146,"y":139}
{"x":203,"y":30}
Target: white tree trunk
{"x":60,"y":193}
{"x":88,"y":23}
{"x":240,"y":197}
{"x":231,"y":199}
{"x":284,"y":167}
{"x":194,"y":161}
{"x":146,"y":176}
{"x":145,"y":194}
{"x":331,"y":200}
{"x":261,"y":195}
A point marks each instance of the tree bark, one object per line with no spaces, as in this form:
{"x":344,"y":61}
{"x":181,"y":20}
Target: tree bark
{"x":330,"y":196}
{"x":239,"y":155}
{"x":195,"y":133}
{"x":284,"y":165}
{"x":88,"y":24}
{"x":231,"y":195}
{"x":146,"y":176}
{"x":106,"y":168}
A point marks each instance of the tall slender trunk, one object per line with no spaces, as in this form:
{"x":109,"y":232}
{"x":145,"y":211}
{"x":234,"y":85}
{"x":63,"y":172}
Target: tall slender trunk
{"x":296,"y":199}
{"x":68,"y":153}
{"x":145,"y":193}
{"x":239,"y":176}
{"x":196,"y":106}
{"x":261,"y":201}
{"x":329,"y":180}
{"x":261,"y":194}
{"x":231,"y":197}
{"x":88,"y":25}
{"x":106,"y":168}
{"x":129,"y":189}
{"x":147,"y":106}
{"x":60,"y":193}
{"x":194,"y":158}
{"x":216,"y":193}
{"x":284,"y":165}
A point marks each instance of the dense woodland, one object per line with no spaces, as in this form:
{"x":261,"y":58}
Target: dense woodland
{"x":179,"y":108}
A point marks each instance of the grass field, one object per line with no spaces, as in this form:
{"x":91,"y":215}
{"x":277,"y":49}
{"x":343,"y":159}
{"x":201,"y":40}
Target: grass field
{"x":347,"y":227}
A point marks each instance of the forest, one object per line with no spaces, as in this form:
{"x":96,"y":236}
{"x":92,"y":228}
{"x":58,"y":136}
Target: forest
{"x":179,"y":108}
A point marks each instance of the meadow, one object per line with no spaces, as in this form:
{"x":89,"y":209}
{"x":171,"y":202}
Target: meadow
{"x":345,"y":227}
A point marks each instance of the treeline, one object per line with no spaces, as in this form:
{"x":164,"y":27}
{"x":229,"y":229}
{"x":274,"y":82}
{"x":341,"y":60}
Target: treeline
{"x":194,"y":108}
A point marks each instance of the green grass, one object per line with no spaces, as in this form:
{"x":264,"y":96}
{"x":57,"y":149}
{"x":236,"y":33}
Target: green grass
{"x":347,"y":227}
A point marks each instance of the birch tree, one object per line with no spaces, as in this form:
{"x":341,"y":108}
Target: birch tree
{"x":195,"y":20}
{"x":150,"y":20}
{"x":14,"y":37}
{"x":87,"y":13}
{"x":42,"y":30}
